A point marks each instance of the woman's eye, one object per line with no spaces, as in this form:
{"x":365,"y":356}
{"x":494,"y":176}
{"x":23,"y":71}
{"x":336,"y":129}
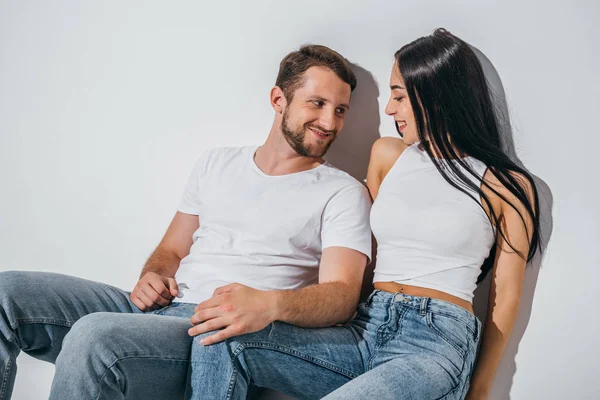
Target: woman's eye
{"x":398,"y":98}
{"x":318,"y":103}
{"x":341,"y":110}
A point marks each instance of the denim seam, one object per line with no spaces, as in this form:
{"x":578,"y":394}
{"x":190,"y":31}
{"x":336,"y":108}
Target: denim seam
{"x":369,"y":299}
{"x":126,"y":357}
{"x":13,"y":334}
{"x":4,"y":386}
{"x":378,"y":335}
{"x":462,"y":372}
{"x":357,"y":340}
{"x":232,"y":382}
{"x":52,"y":321}
{"x":296,"y":353}
{"x":443,"y":336}
{"x":472,"y":367}
{"x":423,"y":306}
{"x":466,"y":323}
{"x":401,"y":315}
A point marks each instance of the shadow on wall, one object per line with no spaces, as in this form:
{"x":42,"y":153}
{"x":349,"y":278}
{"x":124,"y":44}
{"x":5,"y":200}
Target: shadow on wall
{"x":507,"y":368}
{"x":350,"y":153}
{"x":352,"y":148}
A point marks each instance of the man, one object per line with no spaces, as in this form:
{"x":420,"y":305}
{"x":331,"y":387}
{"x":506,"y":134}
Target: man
{"x":263,"y":234}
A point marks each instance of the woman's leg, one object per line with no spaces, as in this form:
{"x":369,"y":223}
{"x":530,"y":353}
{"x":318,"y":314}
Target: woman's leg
{"x":425,"y":351}
{"x":404,"y":378}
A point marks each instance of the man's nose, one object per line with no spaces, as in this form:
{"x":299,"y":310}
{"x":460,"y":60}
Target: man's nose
{"x":327,"y":120}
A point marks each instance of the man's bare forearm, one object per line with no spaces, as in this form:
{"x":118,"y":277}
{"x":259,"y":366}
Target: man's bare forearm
{"x":316,"y":306}
{"x":163,"y":262}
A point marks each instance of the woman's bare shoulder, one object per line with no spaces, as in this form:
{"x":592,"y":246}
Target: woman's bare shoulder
{"x":386,"y":150}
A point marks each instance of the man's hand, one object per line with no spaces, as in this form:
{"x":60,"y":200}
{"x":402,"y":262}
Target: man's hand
{"x":153,"y":291}
{"x":236,"y":309}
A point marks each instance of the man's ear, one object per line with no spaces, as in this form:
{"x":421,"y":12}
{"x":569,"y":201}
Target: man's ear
{"x":278,"y":101}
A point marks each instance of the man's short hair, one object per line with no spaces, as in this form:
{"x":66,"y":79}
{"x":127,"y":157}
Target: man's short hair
{"x":293,"y":66}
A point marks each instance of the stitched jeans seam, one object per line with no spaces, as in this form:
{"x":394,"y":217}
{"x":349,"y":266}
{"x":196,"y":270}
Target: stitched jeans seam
{"x":50,"y":321}
{"x":458,"y":384}
{"x":4,"y":386}
{"x":295,"y":353}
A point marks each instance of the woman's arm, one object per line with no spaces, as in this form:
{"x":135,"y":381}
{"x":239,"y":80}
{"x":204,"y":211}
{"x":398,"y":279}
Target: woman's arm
{"x":505,"y":291}
{"x":384,"y":153}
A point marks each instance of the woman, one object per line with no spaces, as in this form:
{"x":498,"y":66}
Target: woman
{"x":446,"y":199}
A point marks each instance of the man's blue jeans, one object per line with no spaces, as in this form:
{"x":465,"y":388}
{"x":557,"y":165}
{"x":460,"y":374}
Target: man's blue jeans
{"x":103,"y":346}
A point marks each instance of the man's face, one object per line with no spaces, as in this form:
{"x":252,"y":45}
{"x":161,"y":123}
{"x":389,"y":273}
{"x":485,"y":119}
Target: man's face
{"x":315,"y":115}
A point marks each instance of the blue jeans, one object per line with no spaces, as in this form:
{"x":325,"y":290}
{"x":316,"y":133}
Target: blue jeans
{"x":103,"y":346}
{"x":397,"y":347}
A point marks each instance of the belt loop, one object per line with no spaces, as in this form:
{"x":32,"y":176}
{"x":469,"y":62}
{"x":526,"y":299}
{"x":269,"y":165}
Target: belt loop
{"x":424,"y":302}
{"x":368,"y":301}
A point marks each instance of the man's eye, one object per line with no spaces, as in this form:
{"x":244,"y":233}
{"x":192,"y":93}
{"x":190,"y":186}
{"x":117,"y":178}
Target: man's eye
{"x":341,"y":110}
{"x":318,"y":103}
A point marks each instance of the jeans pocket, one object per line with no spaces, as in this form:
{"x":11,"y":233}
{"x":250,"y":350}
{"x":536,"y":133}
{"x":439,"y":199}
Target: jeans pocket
{"x":450,"y":330}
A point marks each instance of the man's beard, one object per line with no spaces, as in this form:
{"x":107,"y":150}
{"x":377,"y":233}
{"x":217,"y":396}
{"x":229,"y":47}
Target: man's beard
{"x":295,"y":139}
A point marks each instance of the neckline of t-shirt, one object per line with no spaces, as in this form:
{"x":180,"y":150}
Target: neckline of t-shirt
{"x":261,"y":173}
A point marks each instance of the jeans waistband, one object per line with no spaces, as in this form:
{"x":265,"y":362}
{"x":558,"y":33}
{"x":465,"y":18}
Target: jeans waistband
{"x":422,"y":305}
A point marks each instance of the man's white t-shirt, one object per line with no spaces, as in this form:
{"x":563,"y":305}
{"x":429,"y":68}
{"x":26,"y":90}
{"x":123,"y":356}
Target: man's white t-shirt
{"x":266,"y":232}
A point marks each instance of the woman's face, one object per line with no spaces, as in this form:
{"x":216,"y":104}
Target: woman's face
{"x":400,"y":109}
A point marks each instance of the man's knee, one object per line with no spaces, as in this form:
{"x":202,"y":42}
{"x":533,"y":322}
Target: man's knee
{"x":13,"y":283}
{"x":92,"y":335}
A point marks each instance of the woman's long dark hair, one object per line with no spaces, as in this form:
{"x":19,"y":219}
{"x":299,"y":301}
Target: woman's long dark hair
{"x":455,"y":117}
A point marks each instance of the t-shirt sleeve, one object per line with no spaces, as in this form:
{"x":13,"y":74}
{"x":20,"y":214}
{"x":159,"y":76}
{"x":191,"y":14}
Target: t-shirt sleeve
{"x":190,"y":201}
{"x":346,"y":221}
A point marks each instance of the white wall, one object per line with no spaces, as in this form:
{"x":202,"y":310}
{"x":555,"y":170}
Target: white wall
{"x":104,"y":107}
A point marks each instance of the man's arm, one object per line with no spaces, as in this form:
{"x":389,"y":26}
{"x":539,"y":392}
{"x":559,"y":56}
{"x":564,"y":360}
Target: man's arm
{"x":157,"y":286}
{"x":239,"y":309}
{"x":333,"y":300}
